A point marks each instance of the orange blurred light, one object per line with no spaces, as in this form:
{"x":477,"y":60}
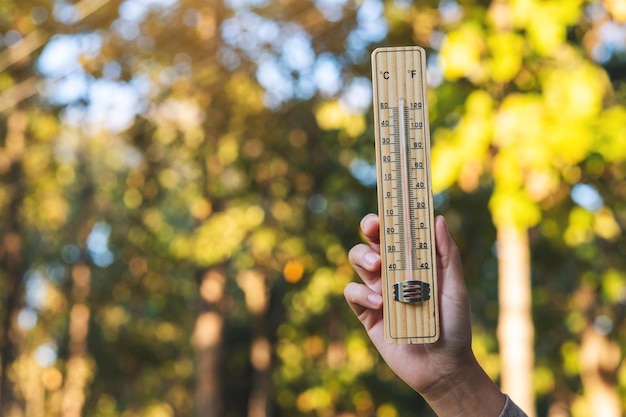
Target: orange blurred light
{"x":208,"y":330}
{"x":617,"y":9}
{"x":293,"y":271}
{"x":52,"y":379}
{"x":261,"y":354}
{"x":212,"y":286}
{"x":201,"y":209}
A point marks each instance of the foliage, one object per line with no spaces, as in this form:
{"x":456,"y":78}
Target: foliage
{"x":207,"y":164}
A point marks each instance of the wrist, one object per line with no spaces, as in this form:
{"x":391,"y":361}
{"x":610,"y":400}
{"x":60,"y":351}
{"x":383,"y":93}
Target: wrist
{"x":467,"y":392}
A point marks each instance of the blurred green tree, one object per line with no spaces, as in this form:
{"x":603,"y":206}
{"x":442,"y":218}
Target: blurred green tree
{"x":180,"y":182}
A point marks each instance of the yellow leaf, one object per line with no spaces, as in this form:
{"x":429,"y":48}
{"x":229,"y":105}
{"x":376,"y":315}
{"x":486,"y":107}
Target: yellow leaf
{"x":461,"y":52}
{"x":514,"y":207}
{"x":158,"y":410}
{"x":221,"y":234}
{"x":579,"y":230}
{"x":248,"y":95}
{"x":541,"y":183}
{"x":576,"y":92}
{"x":606,"y":226}
{"x":523,"y":10}
{"x":446,"y":162}
{"x":543,"y":379}
{"x":545,"y":22}
{"x":545,"y":33}
{"x":570,"y":354}
{"x":333,"y":116}
{"x":506,"y":55}
{"x":387,"y":410}
{"x":44,"y":127}
{"x":314,"y":398}
{"x":507,"y":170}
{"x":458,"y":155}
{"x":228,"y":150}
{"x":614,"y":286}
{"x":611,"y":134}
{"x":569,"y":141}
{"x":519,"y":120}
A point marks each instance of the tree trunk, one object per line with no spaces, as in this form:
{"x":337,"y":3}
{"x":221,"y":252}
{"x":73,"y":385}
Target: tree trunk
{"x":11,"y":261}
{"x":77,"y":365}
{"x":207,"y":343}
{"x":261,"y":358}
{"x":34,"y":392}
{"x":254,"y":285}
{"x":599,"y":361}
{"x":515,"y":325}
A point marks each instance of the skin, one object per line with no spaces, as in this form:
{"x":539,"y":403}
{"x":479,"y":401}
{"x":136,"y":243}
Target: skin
{"x":445,"y":373}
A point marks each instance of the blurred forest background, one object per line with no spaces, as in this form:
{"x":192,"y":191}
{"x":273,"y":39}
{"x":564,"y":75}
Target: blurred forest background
{"x":181,"y":181}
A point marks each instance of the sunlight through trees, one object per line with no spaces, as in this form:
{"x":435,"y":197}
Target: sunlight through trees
{"x":181,"y":181}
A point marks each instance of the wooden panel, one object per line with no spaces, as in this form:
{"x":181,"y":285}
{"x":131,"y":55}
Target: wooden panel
{"x":408,"y":263}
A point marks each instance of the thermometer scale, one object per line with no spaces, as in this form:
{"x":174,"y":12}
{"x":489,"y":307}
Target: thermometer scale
{"x":407,"y":238}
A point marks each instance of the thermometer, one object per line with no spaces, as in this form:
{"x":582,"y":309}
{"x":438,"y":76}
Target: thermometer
{"x":405,"y":204}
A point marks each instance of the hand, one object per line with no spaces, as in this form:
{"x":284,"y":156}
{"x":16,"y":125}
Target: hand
{"x":420,"y":366}
{"x":446,"y":372}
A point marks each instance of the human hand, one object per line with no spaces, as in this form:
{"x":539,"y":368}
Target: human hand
{"x":441,"y":369}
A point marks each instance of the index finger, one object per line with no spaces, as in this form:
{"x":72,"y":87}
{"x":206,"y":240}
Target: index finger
{"x":370,"y":227}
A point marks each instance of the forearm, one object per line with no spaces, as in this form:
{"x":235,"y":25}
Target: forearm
{"x":468,"y":393}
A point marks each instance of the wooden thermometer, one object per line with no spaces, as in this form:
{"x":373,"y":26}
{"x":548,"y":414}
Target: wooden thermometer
{"x":405,"y":205}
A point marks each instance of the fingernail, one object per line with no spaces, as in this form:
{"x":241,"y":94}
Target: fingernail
{"x":374,"y":299}
{"x":445,"y":224}
{"x":370,"y":259}
{"x":368,"y":219}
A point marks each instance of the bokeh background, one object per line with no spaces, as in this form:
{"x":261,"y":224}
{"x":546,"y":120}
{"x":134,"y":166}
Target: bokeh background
{"x":181,"y":181}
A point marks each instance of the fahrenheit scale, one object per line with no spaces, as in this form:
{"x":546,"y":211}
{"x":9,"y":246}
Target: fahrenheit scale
{"x":407,"y":238}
